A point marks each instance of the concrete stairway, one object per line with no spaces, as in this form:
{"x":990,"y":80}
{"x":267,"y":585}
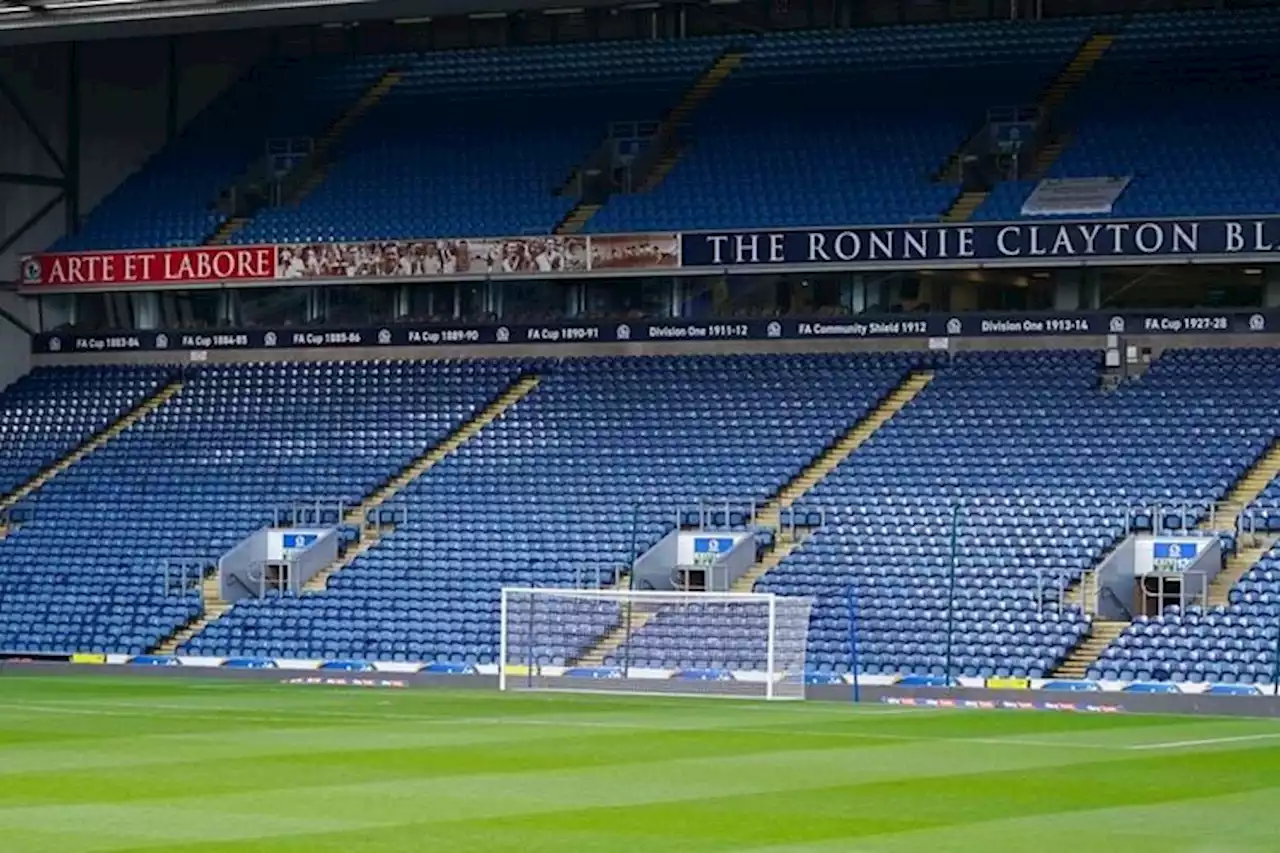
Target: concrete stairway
{"x":710,"y":80}
{"x":1101,"y":634}
{"x":1246,"y":490}
{"x":1082,"y":593}
{"x":214,"y":609}
{"x":664,"y":137}
{"x":1074,"y":72}
{"x":229,"y":226}
{"x":1060,"y":87}
{"x":1049,"y":154}
{"x":518,"y":390}
{"x":770,"y":514}
{"x":786,"y":540}
{"x":662,"y":166}
{"x":318,"y":164}
{"x":964,"y":206}
{"x":371,"y":535}
{"x":707,"y":82}
{"x":128,"y":419}
{"x":576,"y":219}
{"x":612,"y":641}
{"x":1237,"y":565}
{"x":783,"y":546}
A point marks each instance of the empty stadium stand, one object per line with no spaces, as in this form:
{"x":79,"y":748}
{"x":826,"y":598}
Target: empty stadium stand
{"x":552,"y":471}
{"x":797,"y":128}
{"x":921,"y":91}
{"x":1185,"y":104}
{"x":857,"y":122}
{"x":653,"y":637}
{"x":451,"y":118}
{"x":1232,"y":641}
{"x":169,"y":201}
{"x":1043,"y":471}
{"x":304,"y":175}
{"x":203,"y":471}
{"x":552,"y":492}
{"x":51,"y":418}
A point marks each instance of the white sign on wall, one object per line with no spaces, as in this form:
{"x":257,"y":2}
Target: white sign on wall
{"x":1167,"y":554}
{"x":1073,"y":196}
{"x":705,"y":548}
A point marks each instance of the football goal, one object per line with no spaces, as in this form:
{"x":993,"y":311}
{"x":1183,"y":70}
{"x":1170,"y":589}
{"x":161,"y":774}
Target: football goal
{"x":633,"y":641}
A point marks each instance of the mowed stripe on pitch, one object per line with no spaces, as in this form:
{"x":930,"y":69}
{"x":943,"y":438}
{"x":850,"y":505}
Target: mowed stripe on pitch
{"x":373,"y":773}
{"x":796,"y":815}
{"x":490,"y":796}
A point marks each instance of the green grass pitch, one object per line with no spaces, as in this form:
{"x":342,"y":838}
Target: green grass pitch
{"x":105,"y":764}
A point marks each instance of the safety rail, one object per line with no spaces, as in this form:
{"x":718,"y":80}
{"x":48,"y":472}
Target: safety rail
{"x":1053,"y":588}
{"x":1116,"y":600}
{"x":23,"y":512}
{"x":183,"y":575}
{"x":722,"y":513}
{"x":321,"y":512}
{"x":328,"y":512}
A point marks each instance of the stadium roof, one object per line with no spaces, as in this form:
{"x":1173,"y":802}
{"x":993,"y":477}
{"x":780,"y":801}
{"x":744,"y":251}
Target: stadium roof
{"x":31,"y":21}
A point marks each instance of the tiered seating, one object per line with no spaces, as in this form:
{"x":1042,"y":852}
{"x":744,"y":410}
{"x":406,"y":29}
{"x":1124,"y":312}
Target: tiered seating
{"x":606,"y":450}
{"x":602,"y":455}
{"x":1236,"y":644}
{"x":1186,"y":104}
{"x":48,"y":413}
{"x":436,"y":158}
{"x":439,"y":158}
{"x":1181,"y":101}
{"x":1045,"y":468}
{"x":845,"y":128}
{"x":169,"y":201}
{"x":1232,"y":644}
{"x":712,"y":637}
{"x":204,"y":471}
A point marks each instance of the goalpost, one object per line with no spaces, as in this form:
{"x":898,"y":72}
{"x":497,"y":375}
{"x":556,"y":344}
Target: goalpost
{"x":643,"y":641}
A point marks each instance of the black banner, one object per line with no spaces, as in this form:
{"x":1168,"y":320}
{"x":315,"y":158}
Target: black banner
{"x":1027,"y":241}
{"x":829,"y":328}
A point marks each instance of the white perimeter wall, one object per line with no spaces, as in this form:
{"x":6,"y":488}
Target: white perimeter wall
{"x":124,"y":103}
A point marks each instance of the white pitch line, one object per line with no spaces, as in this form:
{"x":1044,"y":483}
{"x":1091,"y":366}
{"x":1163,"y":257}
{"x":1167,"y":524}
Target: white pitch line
{"x":1177,"y":744}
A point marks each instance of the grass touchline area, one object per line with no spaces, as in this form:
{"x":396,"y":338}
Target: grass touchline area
{"x":148,"y":764}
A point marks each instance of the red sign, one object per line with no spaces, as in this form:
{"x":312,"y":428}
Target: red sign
{"x":197,"y":265}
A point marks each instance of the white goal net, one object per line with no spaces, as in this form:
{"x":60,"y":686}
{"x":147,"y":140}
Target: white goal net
{"x":631,"y":641}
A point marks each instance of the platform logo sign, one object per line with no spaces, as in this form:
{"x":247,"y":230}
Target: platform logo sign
{"x":1173,"y":556}
{"x":293,"y":544}
{"x":709,"y":549}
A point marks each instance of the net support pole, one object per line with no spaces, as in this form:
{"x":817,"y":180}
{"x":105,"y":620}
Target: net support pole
{"x":528,"y":670}
{"x":635,"y":538}
{"x":1275,"y":664}
{"x":951,"y":586}
{"x":771,"y":646}
{"x":853,"y":642}
{"x":502,"y":641}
